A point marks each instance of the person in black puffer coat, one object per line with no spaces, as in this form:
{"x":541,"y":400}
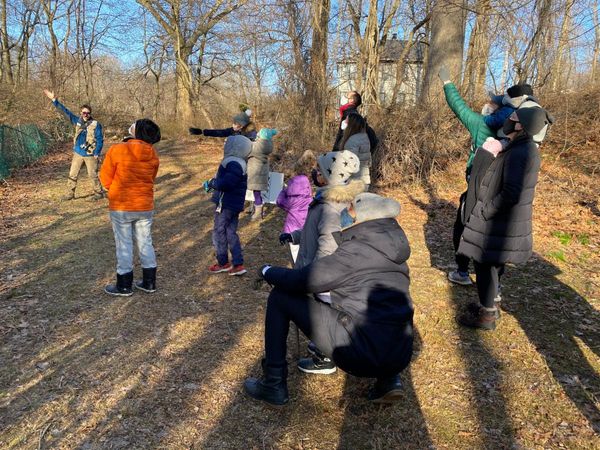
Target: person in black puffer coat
{"x":498,"y":228}
{"x":367,"y":329}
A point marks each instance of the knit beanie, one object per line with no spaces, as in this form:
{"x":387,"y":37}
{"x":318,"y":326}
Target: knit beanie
{"x":237,"y":146}
{"x":337,"y":167}
{"x":534,"y":119}
{"x":241,"y":119}
{"x":519,"y":90}
{"x":369,"y":206}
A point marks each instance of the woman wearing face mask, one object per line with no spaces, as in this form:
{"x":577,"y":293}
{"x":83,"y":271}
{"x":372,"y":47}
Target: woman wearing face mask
{"x":366,"y":328}
{"x":498,"y":229}
{"x":356,"y":140}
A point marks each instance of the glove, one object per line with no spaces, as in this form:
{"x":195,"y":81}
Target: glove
{"x":209,"y":185}
{"x":267,"y":133}
{"x":195,"y":131}
{"x":285,"y":238}
{"x":444,"y":74}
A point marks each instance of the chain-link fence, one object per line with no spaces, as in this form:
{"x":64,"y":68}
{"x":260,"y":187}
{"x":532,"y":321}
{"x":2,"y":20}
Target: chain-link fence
{"x":19,"y":146}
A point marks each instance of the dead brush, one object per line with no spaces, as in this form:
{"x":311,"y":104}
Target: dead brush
{"x":414,"y":144}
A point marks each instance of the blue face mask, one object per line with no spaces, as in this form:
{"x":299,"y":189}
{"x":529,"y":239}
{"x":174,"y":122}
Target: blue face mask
{"x":345,"y":218}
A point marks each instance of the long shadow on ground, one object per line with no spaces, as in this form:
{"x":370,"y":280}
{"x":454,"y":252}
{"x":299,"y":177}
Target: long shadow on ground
{"x":484,"y":370}
{"x":555,"y":324}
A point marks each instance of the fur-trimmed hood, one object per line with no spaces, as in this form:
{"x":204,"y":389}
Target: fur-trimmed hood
{"x":343,"y":193}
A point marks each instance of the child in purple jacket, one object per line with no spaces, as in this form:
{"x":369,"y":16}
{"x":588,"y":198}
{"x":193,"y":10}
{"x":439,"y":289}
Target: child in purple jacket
{"x":296,"y":197}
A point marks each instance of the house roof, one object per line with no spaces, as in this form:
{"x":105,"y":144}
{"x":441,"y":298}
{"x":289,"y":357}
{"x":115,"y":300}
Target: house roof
{"x":392,"y":51}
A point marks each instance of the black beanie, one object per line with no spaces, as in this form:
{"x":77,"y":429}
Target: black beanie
{"x":519,"y":89}
{"x":533,"y":119}
{"x":147,"y":131}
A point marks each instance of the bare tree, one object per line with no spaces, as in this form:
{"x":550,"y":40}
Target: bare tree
{"x":6,"y":45}
{"x":185,"y":23}
{"x":478,"y":50}
{"x":596,"y":51}
{"x":317,"y":87}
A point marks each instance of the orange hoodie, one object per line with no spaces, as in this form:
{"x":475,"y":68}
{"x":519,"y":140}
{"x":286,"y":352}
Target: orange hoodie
{"x":128,"y":173}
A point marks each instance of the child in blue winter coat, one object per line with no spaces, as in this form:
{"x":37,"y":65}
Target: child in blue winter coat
{"x":229,"y":191}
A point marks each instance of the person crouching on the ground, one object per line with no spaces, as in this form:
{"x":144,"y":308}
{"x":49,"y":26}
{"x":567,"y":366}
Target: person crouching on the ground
{"x":258,"y":169}
{"x":229,"y":187}
{"x":87,"y":146}
{"x":356,"y":140}
{"x":316,"y":239}
{"x":296,"y":197}
{"x":128,"y":174}
{"x":242,"y":125}
{"x":498,"y":230}
{"x":367,"y":328}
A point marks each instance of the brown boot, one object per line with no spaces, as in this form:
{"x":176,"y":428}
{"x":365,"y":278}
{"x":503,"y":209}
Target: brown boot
{"x":257,"y":214}
{"x":482,"y":318}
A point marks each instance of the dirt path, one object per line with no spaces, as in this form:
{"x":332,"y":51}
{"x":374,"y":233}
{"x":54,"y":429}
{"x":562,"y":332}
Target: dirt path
{"x":80,"y":369}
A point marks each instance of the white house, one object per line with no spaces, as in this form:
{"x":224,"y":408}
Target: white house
{"x":413,"y":73}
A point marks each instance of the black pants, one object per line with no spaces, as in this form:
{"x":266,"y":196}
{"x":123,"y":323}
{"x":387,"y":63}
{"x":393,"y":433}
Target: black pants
{"x":316,"y":319}
{"x":462,"y":262}
{"x":488,"y":282}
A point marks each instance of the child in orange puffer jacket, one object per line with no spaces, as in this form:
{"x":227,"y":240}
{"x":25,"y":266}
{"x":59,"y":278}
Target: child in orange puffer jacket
{"x":128,"y":174}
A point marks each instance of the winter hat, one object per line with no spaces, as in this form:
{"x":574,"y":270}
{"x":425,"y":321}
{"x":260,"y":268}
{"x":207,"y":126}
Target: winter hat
{"x":519,"y":90}
{"x":369,"y":206}
{"x":241,"y":119}
{"x":237,"y":146}
{"x":337,"y":167}
{"x":267,"y":133}
{"x":533,"y":120}
{"x":147,"y":131}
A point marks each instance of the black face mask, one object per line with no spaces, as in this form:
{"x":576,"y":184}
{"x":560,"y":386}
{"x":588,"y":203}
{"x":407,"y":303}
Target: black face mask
{"x":314,"y":174}
{"x":509,"y":127}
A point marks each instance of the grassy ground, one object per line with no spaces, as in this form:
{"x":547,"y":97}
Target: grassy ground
{"x":80,"y":369}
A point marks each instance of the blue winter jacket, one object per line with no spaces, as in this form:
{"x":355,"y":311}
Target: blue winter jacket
{"x":80,"y":143}
{"x":498,"y":117}
{"x":230,"y":187}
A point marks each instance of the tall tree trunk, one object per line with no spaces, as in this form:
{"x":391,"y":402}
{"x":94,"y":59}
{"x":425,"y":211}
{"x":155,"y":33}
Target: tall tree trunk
{"x":596,"y":52}
{"x":184,"y":84}
{"x":445,"y":46}
{"x":7,"y":73}
{"x":371,"y":57}
{"x":318,"y":86}
{"x":478,"y":51}
{"x":524,"y":66}
{"x":562,"y":51}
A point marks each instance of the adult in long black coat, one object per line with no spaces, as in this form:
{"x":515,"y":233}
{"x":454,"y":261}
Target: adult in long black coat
{"x":367,"y":329}
{"x":498,"y":229}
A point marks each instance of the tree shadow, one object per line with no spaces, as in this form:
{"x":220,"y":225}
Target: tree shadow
{"x":483,"y":368}
{"x":560,"y":323}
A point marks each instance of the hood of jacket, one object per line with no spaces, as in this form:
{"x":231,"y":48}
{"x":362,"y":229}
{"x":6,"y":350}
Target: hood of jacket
{"x":141,"y":150}
{"x":261,"y":148}
{"x":298,"y":186}
{"x":383,"y":235}
{"x":344,"y":193}
{"x":237,"y":146}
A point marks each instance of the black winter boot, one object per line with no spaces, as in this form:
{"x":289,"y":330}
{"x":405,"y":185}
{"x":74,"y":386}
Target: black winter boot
{"x":148,"y":283}
{"x":123,"y":288}
{"x":272,"y":389}
{"x":386,"y":390}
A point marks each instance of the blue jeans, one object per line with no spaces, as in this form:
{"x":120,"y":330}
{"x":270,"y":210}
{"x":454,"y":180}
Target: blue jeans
{"x":225,"y":237}
{"x":128,"y":226}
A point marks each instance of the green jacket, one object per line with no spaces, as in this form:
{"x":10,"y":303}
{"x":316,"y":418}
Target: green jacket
{"x":472,"y":120}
